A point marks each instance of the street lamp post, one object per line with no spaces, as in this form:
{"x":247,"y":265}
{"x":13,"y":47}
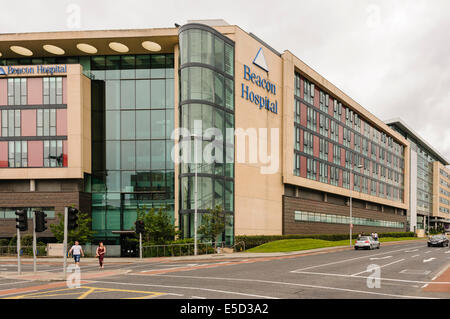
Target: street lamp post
{"x":351,"y":217}
{"x":195,"y":136}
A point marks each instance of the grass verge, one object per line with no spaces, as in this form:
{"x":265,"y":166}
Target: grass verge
{"x":287,"y":245}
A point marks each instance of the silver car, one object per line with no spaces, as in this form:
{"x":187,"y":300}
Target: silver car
{"x":367,"y":242}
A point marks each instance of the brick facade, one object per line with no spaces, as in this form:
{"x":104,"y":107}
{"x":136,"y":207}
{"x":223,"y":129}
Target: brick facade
{"x":59,"y":200}
{"x":291,"y":226}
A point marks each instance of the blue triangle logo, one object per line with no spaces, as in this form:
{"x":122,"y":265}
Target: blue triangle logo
{"x":260,"y":60}
{"x":2,"y":71}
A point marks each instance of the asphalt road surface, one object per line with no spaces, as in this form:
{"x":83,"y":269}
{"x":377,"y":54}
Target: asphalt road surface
{"x":410,"y":270}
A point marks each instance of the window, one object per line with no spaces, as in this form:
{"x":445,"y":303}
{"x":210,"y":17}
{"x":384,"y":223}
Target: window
{"x":53,"y":153}
{"x":11,"y":124}
{"x":323,"y":149}
{"x":324,"y":125}
{"x":336,"y":154}
{"x":308,"y":92}
{"x":297,"y":138}
{"x":17,"y":154}
{"x":52,"y":90}
{"x":17,"y":91}
{"x":46,"y":122}
{"x":334,"y":175}
{"x":323,"y":173}
{"x":297,"y":164}
{"x":297,"y":112}
{"x":312,"y":169}
{"x":323,"y":101}
{"x":308,"y":143}
{"x":311,"y":119}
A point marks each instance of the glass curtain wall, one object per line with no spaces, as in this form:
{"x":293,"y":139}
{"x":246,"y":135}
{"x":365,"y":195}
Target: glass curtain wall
{"x":207,"y":95}
{"x":132,"y":155}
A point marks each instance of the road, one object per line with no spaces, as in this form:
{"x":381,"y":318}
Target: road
{"x":407,"y":270}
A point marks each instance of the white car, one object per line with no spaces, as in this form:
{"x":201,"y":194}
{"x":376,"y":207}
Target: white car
{"x":367,"y":242}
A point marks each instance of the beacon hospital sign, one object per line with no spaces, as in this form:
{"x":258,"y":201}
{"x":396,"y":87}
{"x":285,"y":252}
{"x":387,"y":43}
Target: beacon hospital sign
{"x":267,"y":102}
{"x":35,"y":69}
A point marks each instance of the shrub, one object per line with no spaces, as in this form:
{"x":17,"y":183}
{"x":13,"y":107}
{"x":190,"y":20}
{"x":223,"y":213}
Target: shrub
{"x":254,"y":241}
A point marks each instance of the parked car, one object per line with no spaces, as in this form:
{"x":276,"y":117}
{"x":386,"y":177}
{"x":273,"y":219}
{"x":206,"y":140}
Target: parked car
{"x":438,"y":240}
{"x":367,"y":242}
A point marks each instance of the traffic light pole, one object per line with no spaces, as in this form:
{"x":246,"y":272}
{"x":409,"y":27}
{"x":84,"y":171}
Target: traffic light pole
{"x":34,"y":242}
{"x":140,"y":245}
{"x":65,"y":240}
{"x":19,"y":270}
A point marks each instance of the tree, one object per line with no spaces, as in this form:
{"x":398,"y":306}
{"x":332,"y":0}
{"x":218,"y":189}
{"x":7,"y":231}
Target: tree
{"x":159,"y":227}
{"x":82,"y":233}
{"x":213,"y":224}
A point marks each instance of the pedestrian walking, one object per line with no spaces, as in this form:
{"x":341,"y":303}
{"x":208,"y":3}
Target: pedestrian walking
{"x":376,"y":236}
{"x":77,"y":252}
{"x":100,"y":253}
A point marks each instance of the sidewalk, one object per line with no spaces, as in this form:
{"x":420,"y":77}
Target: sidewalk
{"x":244,"y":255}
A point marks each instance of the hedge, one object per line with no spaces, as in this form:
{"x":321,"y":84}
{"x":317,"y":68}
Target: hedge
{"x":254,"y":241}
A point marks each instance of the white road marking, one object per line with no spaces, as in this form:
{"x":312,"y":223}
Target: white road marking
{"x":415,"y":272}
{"x":447,"y":252}
{"x":364,"y":277}
{"x":394,"y":262}
{"x":415,"y":256}
{"x":379,"y":258}
{"x":410,"y":251}
{"x":351,"y":259}
{"x":196,"y":297}
{"x":298,"y":285}
{"x":424,"y":286}
{"x":427,"y":252}
{"x":429,"y":259}
{"x":182,"y":287}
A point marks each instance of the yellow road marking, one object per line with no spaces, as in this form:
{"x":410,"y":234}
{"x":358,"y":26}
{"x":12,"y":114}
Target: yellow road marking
{"x":89,"y":290}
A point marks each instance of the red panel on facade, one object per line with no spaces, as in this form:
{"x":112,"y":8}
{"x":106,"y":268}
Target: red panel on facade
{"x":61,"y":122}
{"x":301,"y":140}
{"x":316,"y":146}
{"x":35,"y":153}
{"x":65,"y":158}
{"x":34,"y":88}
{"x":303,"y":166}
{"x":64,"y":83}
{"x":341,"y":182}
{"x":316,"y":97}
{"x":3,"y":154}
{"x":330,"y":153}
{"x":303,"y":112}
{"x":0,"y":123}
{"x":3,"y":92}
{"x":342,"y":157}
{"x":28,"y":122}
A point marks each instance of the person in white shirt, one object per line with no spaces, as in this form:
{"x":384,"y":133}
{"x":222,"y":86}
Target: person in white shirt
{"x":77,"y":252}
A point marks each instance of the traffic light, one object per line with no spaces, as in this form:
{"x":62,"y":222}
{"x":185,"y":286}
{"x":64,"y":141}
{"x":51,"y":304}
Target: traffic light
{"x":72,"y":218}
{"x":22,"y":219}
{"x":40,"y":221}
{"x":140,"y":227}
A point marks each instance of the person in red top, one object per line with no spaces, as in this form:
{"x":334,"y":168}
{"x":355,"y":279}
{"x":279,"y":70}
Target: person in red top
{"x":101,"y":250}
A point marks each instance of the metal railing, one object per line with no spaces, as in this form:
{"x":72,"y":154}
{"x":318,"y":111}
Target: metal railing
{"x":239,"y":246}
{"x":25,"y":251}
{"x":180,"y":249}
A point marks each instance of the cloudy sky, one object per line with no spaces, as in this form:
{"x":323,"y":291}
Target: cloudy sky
{"x":392,"y":57}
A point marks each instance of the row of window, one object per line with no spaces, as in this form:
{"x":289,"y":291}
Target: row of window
{"x":444,"y":173}
{"x":52,"y":154}
{"x":52,"y":90}
{"x":351,"y":159}
{"x":330,"y":129}
{"x":338,"y":219}
{"x":444,"y":210}
{"x":9,"y":212}
{"x":351,"y":119}
{"x":330,"y":175}
{"x":444,"y":201}
{"x":46,"y":123}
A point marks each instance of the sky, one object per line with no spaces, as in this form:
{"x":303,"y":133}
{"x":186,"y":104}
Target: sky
{"x":392,"y":57}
